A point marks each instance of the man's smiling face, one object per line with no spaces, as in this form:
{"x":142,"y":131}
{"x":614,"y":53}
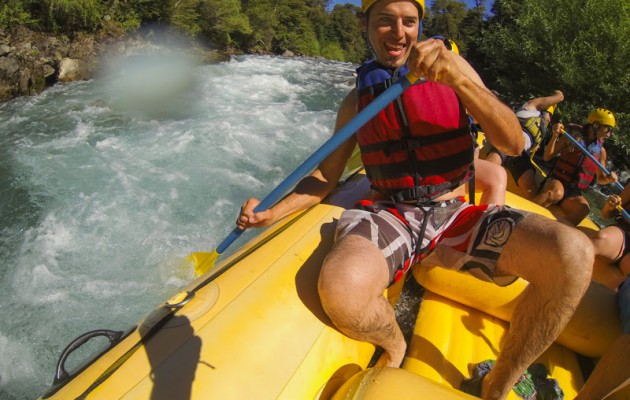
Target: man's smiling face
{"x":392,"y":28}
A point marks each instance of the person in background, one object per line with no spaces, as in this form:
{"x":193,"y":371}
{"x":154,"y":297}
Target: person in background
{"x":574,"y":171}
{"x":418,"y":155}
{"x":534,"y":116}
{"x":612,"y":243}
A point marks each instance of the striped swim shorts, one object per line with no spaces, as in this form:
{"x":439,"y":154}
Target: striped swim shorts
{"x":457,"y":235}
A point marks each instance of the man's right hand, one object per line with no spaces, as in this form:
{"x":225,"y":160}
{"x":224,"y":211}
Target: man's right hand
{"x":557,"y":130}
{"x":248,"y":219}
{"x":613,"y":202}
{"x":558,"y":93}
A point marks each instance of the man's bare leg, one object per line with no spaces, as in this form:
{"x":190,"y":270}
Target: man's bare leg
{"x":559,"y":272}
{"x":351,"y":286}
{"x":575,"y":208}
{"x":491,"y":179}
{"x":527,"y":184}
{"x":551,"y":193}
{"x":608,"y":242}
{"x":494,"y":158}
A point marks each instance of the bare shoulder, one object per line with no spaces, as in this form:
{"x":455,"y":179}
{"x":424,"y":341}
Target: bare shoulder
{"x":602,"y":155}
{"x":347,"y":109}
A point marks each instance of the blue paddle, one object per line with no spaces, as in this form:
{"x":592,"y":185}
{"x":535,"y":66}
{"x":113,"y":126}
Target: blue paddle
{"x":596,"y":161}
{"x":205,"y":261}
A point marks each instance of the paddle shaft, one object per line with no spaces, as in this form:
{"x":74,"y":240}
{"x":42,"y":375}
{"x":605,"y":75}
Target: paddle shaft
{"x":325,"y":150}
{"x":596,"y":161}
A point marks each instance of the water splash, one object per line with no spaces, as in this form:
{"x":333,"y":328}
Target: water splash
{"x":108,"y":184}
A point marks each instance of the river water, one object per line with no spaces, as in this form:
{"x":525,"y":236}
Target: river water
{"x":107,"y":185}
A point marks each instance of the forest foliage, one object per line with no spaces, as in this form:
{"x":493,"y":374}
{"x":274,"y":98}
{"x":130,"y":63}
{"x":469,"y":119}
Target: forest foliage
{"x":521,"y":48}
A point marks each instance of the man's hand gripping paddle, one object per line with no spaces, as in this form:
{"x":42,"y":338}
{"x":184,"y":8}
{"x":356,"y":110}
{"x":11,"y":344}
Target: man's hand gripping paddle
{"x":205,"y":261}
{"x":623,"y":212}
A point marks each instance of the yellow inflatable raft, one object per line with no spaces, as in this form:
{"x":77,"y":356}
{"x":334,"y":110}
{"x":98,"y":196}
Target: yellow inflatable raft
{"x":253,"y":328}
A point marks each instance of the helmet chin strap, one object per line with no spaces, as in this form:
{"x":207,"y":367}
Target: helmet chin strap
{"x":594,"y":130}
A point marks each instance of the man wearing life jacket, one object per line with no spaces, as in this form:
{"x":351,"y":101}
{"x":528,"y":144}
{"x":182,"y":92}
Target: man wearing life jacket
{"x":418,"y":155}
{"x":534,"y":116}
{"x":612,"y":243}
{"x":574,"y":171}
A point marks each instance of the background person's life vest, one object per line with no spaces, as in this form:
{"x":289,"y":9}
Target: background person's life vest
{"x":575,"y":168}
{"x":535,"y":128}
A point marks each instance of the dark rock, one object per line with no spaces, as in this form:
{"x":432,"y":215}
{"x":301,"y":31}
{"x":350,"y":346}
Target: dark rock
{"x":32,"y":61}
{"x":9,"y":67}
{"x":73,"y":69}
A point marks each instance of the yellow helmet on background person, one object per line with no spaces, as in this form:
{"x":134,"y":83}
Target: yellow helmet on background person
{"x":552,"y":109}
{"x":602,"y":116}
{"x":366,"y":4}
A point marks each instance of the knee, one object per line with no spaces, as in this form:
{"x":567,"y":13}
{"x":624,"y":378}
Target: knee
{"x":553,"y":190}
{"x":500,"y":178}
{"x":331,"y":284}
{"x":598,"y":238}
{"x":565,"y":256}
{"x":353,"y":273}
{"x":494,"y":158}
{"x":342,"y":296}
{"x":333,"y":293}
{"x":576,"y":257}
{"x":556,"y":193}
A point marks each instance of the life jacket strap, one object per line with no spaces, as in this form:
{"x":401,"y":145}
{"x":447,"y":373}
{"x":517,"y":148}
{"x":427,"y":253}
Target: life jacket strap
{"x":410,"y":143}
{"x":419,"y":194}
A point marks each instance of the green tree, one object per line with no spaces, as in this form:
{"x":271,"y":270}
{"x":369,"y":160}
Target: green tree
{"x":14,"y":13}
{"x":294,"y":31}
{"x":68,"y":15}
{"x":535,"y":46}
{"x":224,"y":23}
{"x":130,"y":14}
{"x":263,"y":19}
{"x":444,"y":18}
{"x":333,"y":51}
{"x":471,"y":30}
{"x":346,"y":30}
{"x":185,"y":16}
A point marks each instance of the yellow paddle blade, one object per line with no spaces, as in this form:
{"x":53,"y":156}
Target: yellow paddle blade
{"x":203,"y":261}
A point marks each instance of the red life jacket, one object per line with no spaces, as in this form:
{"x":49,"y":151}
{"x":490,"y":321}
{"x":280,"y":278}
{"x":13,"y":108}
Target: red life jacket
{"x":420,"y":146}
{"x":576,"y":169}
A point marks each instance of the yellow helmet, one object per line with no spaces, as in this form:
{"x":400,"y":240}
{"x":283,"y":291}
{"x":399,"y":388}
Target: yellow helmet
{"x":552,"y":109}
{"x":602,"y":116}
{"x":366,"y":4}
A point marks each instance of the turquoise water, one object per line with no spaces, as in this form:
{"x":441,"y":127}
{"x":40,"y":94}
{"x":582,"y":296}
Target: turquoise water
{"x":107,"y":185}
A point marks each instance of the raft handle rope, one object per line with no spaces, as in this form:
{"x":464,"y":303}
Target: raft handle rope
{"x":61,"y":374}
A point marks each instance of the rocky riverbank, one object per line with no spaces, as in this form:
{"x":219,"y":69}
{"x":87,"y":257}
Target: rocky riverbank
{"x":31,"y":62}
